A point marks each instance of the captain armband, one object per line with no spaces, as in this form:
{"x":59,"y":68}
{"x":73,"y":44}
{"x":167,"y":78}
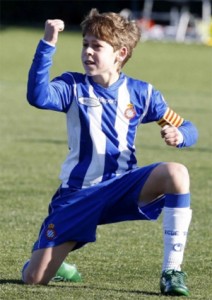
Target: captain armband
{"x":170,"y":118}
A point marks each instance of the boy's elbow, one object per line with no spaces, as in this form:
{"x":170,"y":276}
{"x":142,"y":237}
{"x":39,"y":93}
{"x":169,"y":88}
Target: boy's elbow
{"x":194,"y":135}
{"x":35,"y":98}
{"x":31,"y":99}
{"x":190,"y":134}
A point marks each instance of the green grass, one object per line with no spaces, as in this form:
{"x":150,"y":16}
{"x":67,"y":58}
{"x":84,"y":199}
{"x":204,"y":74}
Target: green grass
{"x":125,"y":262}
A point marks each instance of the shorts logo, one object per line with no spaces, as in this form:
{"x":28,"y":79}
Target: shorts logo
{"x":130,"y":112}
{"x":178,"y":247}
{"x":50,"y":232}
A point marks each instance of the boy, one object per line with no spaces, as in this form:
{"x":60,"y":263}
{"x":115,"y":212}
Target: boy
{"x":101,"y":182}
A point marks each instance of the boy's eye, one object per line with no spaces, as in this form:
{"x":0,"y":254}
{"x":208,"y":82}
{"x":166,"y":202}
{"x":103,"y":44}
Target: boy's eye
{"x":94,"y":46}
{"x":97,"y":46}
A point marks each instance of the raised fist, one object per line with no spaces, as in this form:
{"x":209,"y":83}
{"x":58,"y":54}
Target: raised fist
{"x":52,"y":28}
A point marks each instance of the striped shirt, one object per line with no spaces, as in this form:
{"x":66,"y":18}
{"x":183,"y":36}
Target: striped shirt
{"x":101,"y":122}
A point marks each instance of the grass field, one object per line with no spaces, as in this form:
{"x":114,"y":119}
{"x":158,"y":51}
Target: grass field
{"x":125,"y":262}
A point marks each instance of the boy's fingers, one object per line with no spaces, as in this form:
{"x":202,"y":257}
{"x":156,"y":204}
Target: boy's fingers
{"x":56,"y":23}
{"x":163,"y":130}
{"x":61,"y":26}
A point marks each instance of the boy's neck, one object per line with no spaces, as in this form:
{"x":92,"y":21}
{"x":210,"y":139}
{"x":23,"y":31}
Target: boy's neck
{"x":106,"y":81}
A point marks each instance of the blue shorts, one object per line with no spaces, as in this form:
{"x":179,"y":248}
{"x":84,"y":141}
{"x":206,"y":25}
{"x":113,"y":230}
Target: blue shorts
{"x":75,"y":215}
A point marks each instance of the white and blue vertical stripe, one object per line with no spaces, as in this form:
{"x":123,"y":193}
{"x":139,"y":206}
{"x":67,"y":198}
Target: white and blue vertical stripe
{"x":101,"y":138}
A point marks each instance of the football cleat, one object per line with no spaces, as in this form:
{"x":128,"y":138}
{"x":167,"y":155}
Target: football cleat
{"x":172,"y":283}
{"x":67,"y":272}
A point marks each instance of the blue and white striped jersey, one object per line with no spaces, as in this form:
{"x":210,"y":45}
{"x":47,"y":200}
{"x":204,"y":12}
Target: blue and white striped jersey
{"x":101,"y":122}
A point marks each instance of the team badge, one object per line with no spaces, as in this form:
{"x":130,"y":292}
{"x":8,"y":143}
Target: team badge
{"x":50,"y":232}
{"x":130,"y":112}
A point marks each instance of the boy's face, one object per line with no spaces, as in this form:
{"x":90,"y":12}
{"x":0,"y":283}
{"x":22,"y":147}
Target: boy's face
{"x":98,"y":57}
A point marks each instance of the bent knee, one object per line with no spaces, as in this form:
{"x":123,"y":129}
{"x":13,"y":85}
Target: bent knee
{"x":177,"y":177}
{"x":177,"y":170}
{"x":166,"y":178}
{"x":33,"y":279}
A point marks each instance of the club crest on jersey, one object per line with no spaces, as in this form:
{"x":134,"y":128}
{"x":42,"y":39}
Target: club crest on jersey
{"x":89,"y":101}
{"x":130,"y":112}
{"x":51,"y":232}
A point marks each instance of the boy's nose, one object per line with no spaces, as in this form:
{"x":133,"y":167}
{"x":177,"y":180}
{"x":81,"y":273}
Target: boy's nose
{"x":89,"y":50}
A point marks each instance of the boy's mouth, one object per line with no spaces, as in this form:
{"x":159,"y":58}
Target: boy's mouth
{"x":88,"y":62}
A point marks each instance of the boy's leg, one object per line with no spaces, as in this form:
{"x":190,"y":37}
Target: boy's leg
{"x":172,"y":180}
{"x":44,"y":263}
{"x":176,"y":221}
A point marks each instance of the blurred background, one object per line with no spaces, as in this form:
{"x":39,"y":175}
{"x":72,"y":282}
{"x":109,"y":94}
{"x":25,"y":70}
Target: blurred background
{"x":172,"y":20}
{"x":174,"y":56}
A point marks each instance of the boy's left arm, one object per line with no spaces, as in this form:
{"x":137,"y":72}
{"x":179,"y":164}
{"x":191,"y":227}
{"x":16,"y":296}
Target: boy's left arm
{"x":176,"y":131}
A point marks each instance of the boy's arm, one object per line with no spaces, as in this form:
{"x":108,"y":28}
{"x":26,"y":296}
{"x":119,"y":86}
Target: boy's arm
{"x":52,"y":28}
{"x":176,"y":131}
{"x":184,"y":136}
{"x":40,"y":92}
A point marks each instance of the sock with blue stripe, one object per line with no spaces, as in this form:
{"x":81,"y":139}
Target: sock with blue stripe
{"x":176,"y":221}
{"x":23,"y":269}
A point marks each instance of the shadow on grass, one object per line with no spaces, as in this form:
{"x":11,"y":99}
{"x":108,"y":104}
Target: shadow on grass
{"x":189,"y":149}
{"x":144,"y":146}
{"x":11,"y":281}
{"x":138,"y":292}
{"x":44,"y":141}
{"x":83,"y":286}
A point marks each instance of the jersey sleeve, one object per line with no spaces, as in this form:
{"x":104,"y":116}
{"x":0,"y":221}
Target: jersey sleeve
{"x":155,"y":106}
{"x":159,"y":112}
{"x":41,"y":93}
{"x":190,"y":134}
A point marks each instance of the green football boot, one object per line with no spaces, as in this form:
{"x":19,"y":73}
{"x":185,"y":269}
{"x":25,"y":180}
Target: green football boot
{"x":172,"y":283}
{"x":67,"y":272}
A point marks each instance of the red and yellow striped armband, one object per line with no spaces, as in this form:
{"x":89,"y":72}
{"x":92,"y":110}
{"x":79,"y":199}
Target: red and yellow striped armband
{"x":170,"y":118}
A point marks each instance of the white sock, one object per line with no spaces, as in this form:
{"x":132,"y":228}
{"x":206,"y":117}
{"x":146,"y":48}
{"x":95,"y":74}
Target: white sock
{"x":176,"y":222}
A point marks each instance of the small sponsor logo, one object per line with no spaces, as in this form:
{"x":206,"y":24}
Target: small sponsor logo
{"x":89,"y":101}
{"x":175,"y":232}
{"x":50,"y":232}
{"x":178,"y":247}
{"x":130,"y":112}
{"x":93,"y":102}
{"x":171,"y":232}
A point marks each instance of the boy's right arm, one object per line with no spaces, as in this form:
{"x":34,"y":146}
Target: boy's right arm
{"x":40,"y":92}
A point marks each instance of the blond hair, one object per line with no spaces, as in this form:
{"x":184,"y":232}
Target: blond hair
{"x":113,"y":29}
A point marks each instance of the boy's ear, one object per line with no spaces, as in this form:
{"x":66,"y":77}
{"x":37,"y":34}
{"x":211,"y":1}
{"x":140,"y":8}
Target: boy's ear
{"x":122,"y":53}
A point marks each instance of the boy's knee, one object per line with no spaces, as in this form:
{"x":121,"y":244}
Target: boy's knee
{"x":180,"y":171}
{"x":178,"y":177}
{"x":29,"y":278}
{"x":33,"y":279}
